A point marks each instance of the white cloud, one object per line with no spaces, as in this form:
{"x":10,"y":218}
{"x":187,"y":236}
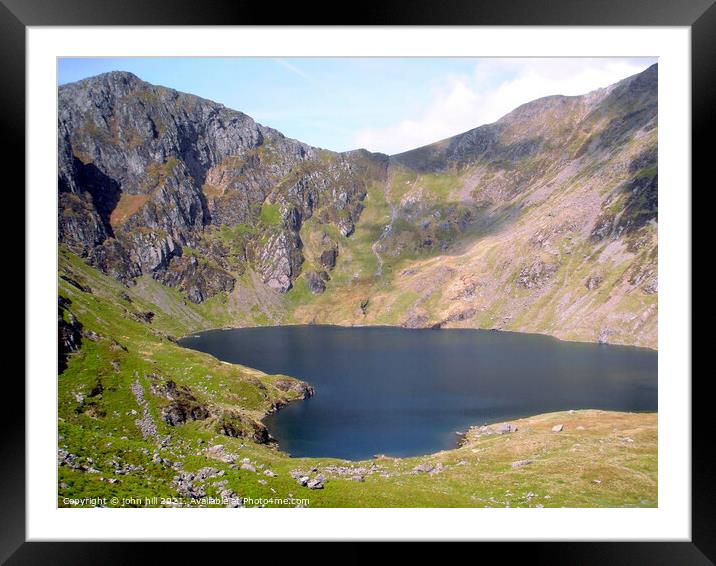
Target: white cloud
{"x":496,"y":87}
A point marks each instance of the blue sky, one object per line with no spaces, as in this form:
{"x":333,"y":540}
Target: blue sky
{"x":383,"y":104}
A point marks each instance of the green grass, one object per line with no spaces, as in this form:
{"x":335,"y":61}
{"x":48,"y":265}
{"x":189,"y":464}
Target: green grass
{"x":271,"y":215}
{"x":396,"y":309}
{"x":648,"y":172}
{"x":439,"y":186}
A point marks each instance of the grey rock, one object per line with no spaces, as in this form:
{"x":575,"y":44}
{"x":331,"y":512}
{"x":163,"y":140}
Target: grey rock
{"x":315,"y":282}
{"x":505,"y":428}
{"x":296,"y":386}
{"x":316,"y":483}
{"x":593,"y":282}
{"x":536,"y":275}
{"x":328,"y":258}
{"x":604,"y":335}
{"x":69,"y":332}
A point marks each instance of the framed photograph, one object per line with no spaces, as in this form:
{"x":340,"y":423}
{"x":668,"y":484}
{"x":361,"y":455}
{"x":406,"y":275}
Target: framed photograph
{"x":424,"y":276}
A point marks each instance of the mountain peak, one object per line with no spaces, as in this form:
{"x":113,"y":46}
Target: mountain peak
{"x":520,"y":132}
{"x":109,"y":78}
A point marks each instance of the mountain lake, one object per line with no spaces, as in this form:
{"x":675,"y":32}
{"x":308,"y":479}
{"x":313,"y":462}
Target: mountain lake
{"x":406,"y":392}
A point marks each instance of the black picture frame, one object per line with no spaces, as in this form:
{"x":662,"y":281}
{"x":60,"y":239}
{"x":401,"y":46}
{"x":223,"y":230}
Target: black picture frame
{"x":17,"y":15}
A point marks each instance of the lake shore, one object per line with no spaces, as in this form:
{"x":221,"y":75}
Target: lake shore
{"x":433,"y":327}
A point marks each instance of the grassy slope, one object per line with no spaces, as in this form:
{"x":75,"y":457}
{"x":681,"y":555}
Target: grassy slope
{"x":100,"y":429}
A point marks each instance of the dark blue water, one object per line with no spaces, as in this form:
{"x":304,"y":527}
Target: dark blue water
{"x":400,"y":392}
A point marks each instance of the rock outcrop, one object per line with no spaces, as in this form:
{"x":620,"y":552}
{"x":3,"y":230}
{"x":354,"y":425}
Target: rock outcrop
{"x":183,"y":406}
{"x":69,"y":332}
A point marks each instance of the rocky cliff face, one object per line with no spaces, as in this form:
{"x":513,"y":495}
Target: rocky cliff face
{"x":146,"y":172}
{"x":545,"y":221}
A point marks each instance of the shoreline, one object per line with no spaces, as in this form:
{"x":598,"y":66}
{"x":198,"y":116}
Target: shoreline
{"x":425,"y":328}
{"x":463,"y":436}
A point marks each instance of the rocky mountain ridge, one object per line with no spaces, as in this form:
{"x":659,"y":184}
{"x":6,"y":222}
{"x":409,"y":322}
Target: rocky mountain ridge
{"x":544,"y":221}
{"x":146,"y":172}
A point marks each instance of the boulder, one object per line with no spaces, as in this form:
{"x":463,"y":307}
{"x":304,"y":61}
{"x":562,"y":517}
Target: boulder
{"x":505,"y":428}
{"x":315,"y":282}
{"x":315,"y":483}
{"x":537,"y":274}
{"x":328,"y":258}
{"x":593,"y":282}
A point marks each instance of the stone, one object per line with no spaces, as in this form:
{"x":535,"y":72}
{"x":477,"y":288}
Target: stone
{"x":537,"y":274}
{"x":505,"y":428}
{"x":315,"y":483}
{"x":439,"y":467}
{"x":521,"y":463}
{"x":604,"y":335}
{"x":315,"y":282}
{"x":557,"y":428}
{"x":328,"y":258}
{"x":593,"y":282}
{"x":295,"y":386}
